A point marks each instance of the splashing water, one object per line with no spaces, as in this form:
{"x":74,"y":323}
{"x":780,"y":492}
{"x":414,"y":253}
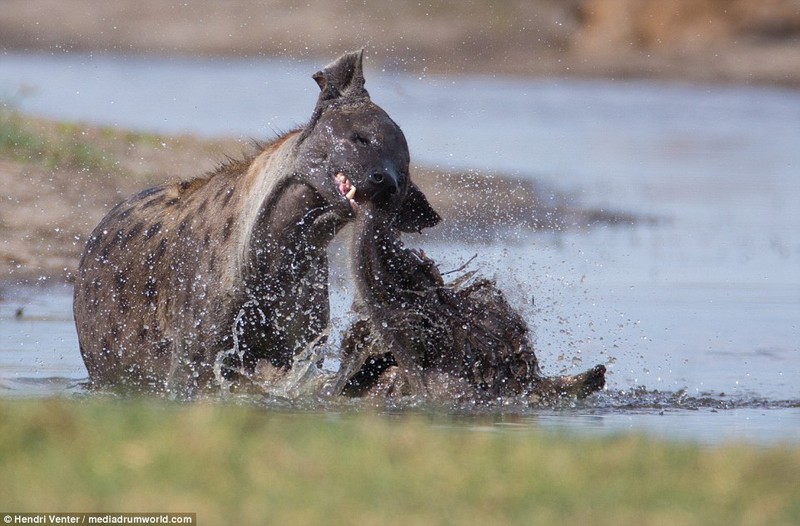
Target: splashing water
{"x":39,"y":357}
{"x":702,"y":304}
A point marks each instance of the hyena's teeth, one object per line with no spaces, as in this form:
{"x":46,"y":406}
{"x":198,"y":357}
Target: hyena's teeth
{"x":351,"y":194}
{"x":341,"y":177}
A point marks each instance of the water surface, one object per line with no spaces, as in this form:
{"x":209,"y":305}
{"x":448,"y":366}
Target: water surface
{"x":698,"y":316}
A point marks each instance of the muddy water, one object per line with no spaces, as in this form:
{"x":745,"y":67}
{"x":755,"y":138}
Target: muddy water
{"x":697,"y":317}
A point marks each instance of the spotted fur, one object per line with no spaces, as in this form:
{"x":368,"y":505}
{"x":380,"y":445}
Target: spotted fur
{"x":235,"y":261}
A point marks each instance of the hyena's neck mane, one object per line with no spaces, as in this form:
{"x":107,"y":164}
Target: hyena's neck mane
{"x":258,"y":200}
{"x":277,"y":211}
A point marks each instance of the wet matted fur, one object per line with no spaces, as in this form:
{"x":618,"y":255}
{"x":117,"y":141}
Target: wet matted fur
{"x":185,"y":285}
{"x":421,"y":336}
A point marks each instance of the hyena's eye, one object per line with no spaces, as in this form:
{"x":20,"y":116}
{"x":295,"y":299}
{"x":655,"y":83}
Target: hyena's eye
{"x":360,"y":139}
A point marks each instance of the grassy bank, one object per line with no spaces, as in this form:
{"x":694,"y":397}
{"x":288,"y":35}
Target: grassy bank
{"x":239,"y":465}
{"x":65,"y":148}
{"x":60,"y":178}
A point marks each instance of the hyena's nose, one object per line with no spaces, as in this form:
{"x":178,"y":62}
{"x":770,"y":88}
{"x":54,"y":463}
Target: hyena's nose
{"x":384,"y":183}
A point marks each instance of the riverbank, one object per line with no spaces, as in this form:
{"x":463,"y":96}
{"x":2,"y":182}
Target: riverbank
{"x":61,"y":178}
{"x":710,"y":41}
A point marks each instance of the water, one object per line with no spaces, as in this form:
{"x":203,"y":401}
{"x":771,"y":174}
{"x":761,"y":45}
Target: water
{"x":39,"y":348}
{"x":706,"y":303}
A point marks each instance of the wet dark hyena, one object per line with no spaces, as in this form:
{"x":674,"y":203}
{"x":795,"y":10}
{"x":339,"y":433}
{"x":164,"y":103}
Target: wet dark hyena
{"x":421,"y":336}
{"x":236,"y":260}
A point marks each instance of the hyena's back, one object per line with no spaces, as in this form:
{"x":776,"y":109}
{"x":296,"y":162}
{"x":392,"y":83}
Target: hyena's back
{"x":144,"y":279}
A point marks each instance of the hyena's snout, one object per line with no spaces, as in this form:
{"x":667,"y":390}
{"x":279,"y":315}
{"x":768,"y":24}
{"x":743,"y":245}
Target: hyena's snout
{"x":384,"y":183}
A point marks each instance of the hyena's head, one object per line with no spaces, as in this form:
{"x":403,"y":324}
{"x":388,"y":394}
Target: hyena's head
{"x":351,"y":143}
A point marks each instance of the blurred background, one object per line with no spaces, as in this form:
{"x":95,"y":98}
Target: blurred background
{"x":730,"y":40}
{"x":626,"y":169}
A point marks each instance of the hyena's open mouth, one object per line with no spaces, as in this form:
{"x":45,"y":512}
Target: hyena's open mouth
{"x":347,"y":189}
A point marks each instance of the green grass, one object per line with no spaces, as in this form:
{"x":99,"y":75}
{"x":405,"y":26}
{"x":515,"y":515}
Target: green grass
{"x":64,"y":146}
{"x":243,"y":465}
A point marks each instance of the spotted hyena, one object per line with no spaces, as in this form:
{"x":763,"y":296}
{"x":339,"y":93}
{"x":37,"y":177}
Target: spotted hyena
{"x":236,"y":259}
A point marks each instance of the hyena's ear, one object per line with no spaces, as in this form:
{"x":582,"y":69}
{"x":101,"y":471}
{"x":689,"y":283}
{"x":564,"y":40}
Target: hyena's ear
{"x":340,"y":81}
{"x":344,"y":77}
{"x":416,"y":212}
